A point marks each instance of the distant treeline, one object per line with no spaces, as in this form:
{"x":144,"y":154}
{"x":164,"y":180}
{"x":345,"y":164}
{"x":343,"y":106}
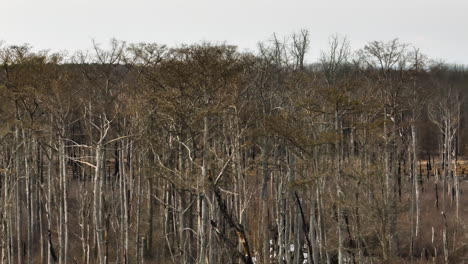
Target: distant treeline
{"x":143,"y":153}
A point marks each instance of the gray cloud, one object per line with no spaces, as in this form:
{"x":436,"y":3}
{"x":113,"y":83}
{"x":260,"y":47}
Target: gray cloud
{"x":438,"y":28}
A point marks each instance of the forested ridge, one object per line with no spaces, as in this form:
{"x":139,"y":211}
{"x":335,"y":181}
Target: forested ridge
{"x":143,"y":153}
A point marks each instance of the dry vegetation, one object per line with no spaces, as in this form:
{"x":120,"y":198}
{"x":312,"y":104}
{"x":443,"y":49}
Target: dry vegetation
{"x":202,"y":154}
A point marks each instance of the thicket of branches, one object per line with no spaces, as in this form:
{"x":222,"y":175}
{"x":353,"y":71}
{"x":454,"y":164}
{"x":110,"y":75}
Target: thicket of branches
{"x":141,"y":153}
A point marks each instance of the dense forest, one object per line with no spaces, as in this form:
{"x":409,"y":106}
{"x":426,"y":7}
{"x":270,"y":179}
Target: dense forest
{"x":143,"y":153}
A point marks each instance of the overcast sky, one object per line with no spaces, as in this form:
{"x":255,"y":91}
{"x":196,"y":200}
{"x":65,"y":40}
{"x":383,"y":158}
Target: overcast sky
{"x":439,"y":28}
